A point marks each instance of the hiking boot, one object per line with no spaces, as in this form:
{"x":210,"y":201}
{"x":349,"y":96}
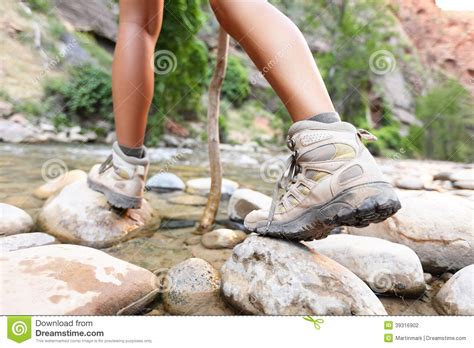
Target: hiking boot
{"x":120,"y":178}
{"x":330,"y":180}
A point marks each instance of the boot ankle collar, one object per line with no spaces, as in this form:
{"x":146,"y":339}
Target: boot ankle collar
{"x":313,"y":125}
{"x":144,"y":161}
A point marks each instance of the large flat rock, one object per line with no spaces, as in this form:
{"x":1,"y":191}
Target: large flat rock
{"x":72,"y":280}
{"x":437,"y":227}
{"x":388,"y":268}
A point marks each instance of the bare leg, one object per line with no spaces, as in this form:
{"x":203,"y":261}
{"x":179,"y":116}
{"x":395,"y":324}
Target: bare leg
{"x":280,"y":52}
{"x":132,"y":73}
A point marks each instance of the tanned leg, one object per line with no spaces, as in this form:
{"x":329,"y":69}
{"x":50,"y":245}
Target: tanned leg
{"x":132,"y":73}
{"x":279,"y":50}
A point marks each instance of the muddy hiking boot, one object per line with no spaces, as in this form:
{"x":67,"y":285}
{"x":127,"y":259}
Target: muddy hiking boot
{"x":120,"y":178}
{"x":331,"y":180}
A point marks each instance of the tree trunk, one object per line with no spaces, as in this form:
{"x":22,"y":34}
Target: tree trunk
{"x":213,"y":110}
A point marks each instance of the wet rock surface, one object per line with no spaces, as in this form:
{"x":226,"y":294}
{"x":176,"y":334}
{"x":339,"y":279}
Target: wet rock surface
{"x":165,"y":182}
{"x":80,"y":215}
{"x":223,"y":238}
{"x":193,"y":288}
{"x":25,"y":240}
{"x":270,"y":276}
{"x":54,"y":186}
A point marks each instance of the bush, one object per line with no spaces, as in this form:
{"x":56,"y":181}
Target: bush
{"x":236,"y":86}
{"x":180,"y":89}
{"x":40,"y":5}
{"x":87,"y":93}
{"x":345,"y":68}
{"x":178,"y":92}
{"x":446,"y":112}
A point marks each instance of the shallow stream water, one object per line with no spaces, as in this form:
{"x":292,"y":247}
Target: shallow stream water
{"x":25,"y":167}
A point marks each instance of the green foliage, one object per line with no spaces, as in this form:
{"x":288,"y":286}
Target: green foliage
{"x":356,"y":30}
{"x":282,"y":120}
{"x":30,"y":108}
{"x":156,"y":128}
{"x":389,"y":141}
{"x":178,"y":91}
{"x":223,"y":129}
{"x":236,"y":87}
{"x":56,"y":28}
{"x":447,"y":114}
{"x":87,"y":93}
{"x":60,"y":121}
{"x":40,"y":5}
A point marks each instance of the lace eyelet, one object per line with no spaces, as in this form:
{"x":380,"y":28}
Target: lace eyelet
{"x":290,"y":143}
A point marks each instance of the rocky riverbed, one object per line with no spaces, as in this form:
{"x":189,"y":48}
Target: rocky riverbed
{"x":63,"y":242}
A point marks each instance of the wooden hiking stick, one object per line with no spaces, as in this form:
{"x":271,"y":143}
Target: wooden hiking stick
{"x":213,"y":110}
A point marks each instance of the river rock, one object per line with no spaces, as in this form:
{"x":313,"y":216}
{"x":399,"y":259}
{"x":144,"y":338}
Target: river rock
{"x":278,"y":277}
{"x":82,"y":216}
{"x":462,"y":175}
{"x":438,"y":227}
{"x":456,"y":296}
{"x":25,"y":240}
{"x":14,"y":220}
{"x":14,"y":132}
{"x":51,"y":187}
{"x":409,"y":183}
{"x":464,"y":184}
{"x":193,"y":289}
{"x":201,"y":186}
{"x":72,"y":280}
{"x":243,"y":201}
{"x":165,"y":182}
{"x":388,"y":268}
{"x":223,"y":238}
{"x":463,"y":179}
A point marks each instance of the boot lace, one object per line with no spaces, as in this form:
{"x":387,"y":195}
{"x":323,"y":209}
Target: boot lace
{"x":106,"y":165}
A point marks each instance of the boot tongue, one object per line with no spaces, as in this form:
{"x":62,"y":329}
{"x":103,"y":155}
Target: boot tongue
{"x":314,"y":125}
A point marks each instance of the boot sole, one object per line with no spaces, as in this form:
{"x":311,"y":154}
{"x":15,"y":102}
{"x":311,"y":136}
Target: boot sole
{"x":358,"y":206}
{"x":115,"y":199}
